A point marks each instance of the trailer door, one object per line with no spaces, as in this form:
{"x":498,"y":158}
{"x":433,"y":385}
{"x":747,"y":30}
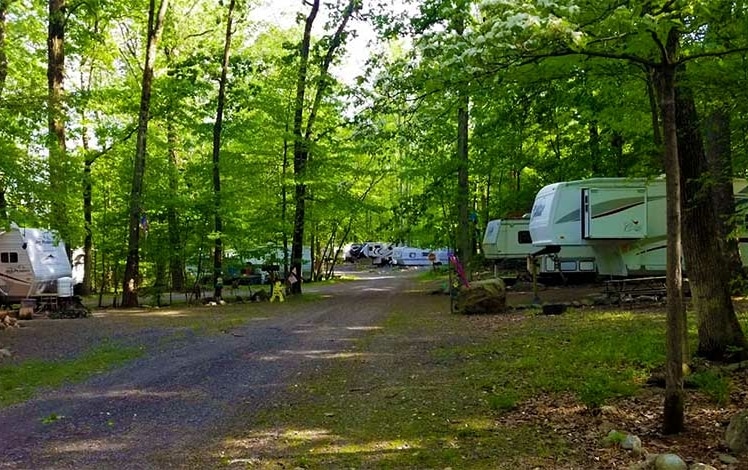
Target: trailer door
{"x":614,"y":213}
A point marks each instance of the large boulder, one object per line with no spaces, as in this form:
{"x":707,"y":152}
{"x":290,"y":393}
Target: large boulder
{"x":737,"y":433}
{"x":486,"y":296}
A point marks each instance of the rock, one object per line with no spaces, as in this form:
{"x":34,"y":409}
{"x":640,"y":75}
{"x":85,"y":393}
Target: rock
{"x":648,"y":464}
{"x":736,"y":435}
{"x":5,"y":352}
{"x":488,"y":296}
{"x":632,"y":443}
{"x":553,"y":309}
{"x":669,"y":462}
{"x":727,"y":459}
{"x":701,"y":466}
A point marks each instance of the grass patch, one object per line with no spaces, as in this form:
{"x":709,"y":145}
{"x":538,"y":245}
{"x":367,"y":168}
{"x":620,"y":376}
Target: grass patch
{"x":714,"y":384}
{"x":19,"y":382}
{"x":594,"y":356}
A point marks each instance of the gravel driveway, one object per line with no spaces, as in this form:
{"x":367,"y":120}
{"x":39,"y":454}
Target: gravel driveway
{"x":163,"y":410}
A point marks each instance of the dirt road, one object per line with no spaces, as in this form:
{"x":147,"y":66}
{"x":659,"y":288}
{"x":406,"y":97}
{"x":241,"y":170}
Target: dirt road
{"x":160,"y":411}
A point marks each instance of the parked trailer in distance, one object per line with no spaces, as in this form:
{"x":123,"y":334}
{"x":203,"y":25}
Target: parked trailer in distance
{"x":508,"y":243}
{"x":412,"y":256}
{"x":380,"y":253}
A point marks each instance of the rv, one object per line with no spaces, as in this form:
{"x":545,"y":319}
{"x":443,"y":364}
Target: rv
{"x":379,"y":253}
{"x":33,"y":264}
{"x":508,"y":243}
{"x":621,"y":219}
{"x":411,"y":256}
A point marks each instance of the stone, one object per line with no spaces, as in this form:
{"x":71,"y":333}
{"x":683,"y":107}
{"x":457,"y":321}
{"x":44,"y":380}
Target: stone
{"x":632,"y":443}
{"x":669,"y":462}
{"x":736,"y":435}
{"x":647,"y":464}
{"x":487,"y":296}
{"x":727,"y":459}
{"x":701,"y":466}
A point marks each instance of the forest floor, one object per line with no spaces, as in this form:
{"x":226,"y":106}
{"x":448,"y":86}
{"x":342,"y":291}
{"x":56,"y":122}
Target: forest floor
{"x":371,"y":373}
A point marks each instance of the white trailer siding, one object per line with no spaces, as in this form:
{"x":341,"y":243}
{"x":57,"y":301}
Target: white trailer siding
{"x":508,"y":242}
{"x":31,"y":262}
{"x":412,"y":256}
{"x":621,"y":219}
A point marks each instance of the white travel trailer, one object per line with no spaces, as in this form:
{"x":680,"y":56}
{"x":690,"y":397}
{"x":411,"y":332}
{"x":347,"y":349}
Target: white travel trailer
{"x":411,"y":256}
{"x":621,"y":219}
{"x":378,"y":252}
{"x":33,"y":264}
{"x":508,"y":243}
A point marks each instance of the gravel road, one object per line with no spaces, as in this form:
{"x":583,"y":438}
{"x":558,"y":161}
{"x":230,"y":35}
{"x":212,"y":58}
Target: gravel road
{"x":162,"y":410}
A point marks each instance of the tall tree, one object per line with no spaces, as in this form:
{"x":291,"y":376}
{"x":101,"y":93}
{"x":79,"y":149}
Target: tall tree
{"x":301,"y":148}
{"x":3,"y":75}
{"x":217,"y":128}
{"x":464,"y":235}
{"x":131,"y":279}
{"x":303,"y":140}
{"x":720,"y":334}
{"x":56,"y":114}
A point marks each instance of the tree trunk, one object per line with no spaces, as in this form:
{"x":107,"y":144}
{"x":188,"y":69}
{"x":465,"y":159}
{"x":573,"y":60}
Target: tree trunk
{"x":87,"y":224}
{"x":673,"y":416}
{"x":300,"y":152}
{"x":301,"y":142}
{"x":594,"y":145}
{"x":4,"y":221}
{"x":719,"y":159}
{"x":217,"y":128}
{"x":720,"y":335}
{"x":131,"y":280}
{"x":464,"y":226}
{"x":56,"y":116}
{"x":3,"y":55}
{"x":176,"y":269}
{"x":284,"y":199}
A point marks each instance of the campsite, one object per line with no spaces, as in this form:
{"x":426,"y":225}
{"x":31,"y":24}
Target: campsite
{"x":396,"y":382}
{"x":395,"y":234}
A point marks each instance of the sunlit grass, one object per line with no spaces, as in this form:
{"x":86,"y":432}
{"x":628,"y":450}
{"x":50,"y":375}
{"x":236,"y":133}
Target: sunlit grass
{"x":19,"y":382}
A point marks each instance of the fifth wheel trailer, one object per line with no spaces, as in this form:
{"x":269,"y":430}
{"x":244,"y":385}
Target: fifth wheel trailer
{"x":621,"y":219}
{"x":508,"y":243}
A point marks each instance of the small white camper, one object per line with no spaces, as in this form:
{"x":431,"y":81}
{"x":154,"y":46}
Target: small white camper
{"x":33,"y":264}
{"x":411,"y":256}
{"x":621,"y":219}
{"x":508,"y":243}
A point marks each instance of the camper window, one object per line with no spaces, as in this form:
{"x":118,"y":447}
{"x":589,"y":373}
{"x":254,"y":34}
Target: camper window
{"x":9,"y":257}
{"x":523,"y":237}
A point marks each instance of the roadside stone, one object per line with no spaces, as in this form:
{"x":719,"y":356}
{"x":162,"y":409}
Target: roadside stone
{"x":701,"y":466}
{"x":632,"y":443}
{"x":736,"y":435}
{"x":727,"y":459}
{"x":669,"y":462}
{"x":647,"y":464}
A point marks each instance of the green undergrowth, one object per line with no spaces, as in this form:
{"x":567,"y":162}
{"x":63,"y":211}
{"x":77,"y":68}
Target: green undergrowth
{"x":19,"y":382}
{"x":434,"y":390}
{"x":596,"y":357}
